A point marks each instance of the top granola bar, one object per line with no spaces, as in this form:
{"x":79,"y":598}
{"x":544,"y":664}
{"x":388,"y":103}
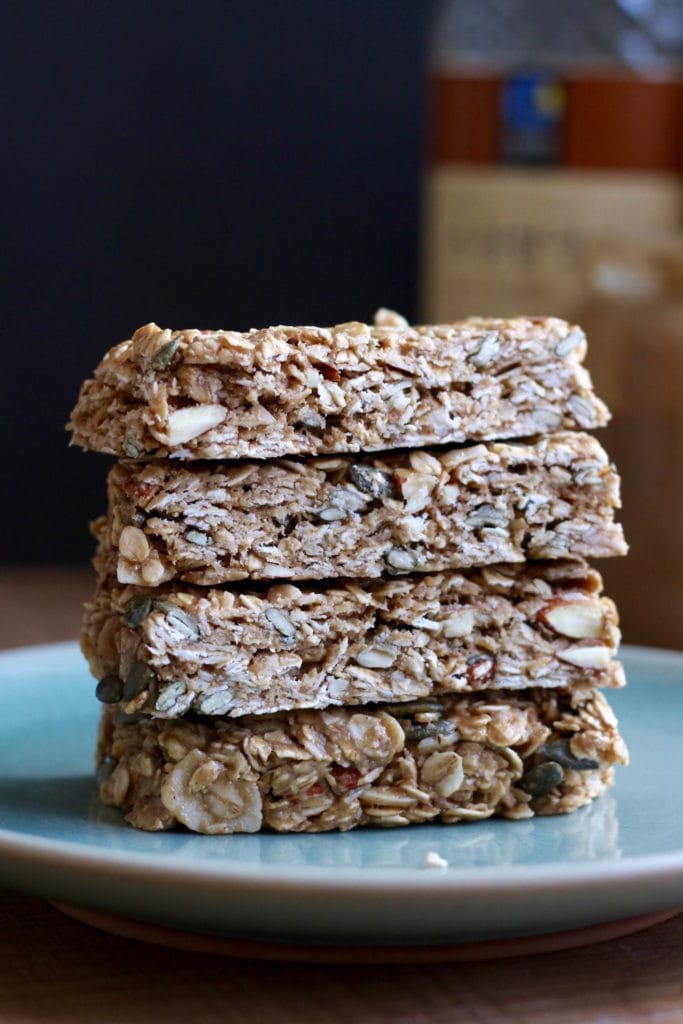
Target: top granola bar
{"x":305,"y":390}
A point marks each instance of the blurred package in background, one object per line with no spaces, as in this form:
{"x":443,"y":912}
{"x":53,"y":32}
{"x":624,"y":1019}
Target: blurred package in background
{"x":549,"y":124}
{"x":633,"y":314}
{"x":555,"y":158}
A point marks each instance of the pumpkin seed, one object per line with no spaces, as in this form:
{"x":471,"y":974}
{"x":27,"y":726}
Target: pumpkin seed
{"x":423,"y":730}
{"x":109,"y":690}
{"x":541,"y":779}
{"x":164,"y":357}
{"x":560,"y":752}
{"x":138,"y":679}
{"x":137,"y":610}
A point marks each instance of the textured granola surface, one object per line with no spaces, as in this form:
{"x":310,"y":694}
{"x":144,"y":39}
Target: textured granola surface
{"x":362,"y":516}
{"x":305,"y":390}
{"x":454,"y":759}
{"x":234,"y":651}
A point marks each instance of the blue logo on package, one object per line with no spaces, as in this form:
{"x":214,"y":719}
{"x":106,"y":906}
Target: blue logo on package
{"x":532,"y":106}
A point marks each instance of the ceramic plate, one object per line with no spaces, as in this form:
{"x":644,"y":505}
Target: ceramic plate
{"x":620,"y":857}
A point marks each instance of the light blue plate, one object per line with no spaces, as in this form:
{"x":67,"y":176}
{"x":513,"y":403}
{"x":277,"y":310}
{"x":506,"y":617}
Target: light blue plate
{"x":621,"y":857}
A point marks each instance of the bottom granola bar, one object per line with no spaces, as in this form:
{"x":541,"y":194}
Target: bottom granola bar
{"x":456,"y":758}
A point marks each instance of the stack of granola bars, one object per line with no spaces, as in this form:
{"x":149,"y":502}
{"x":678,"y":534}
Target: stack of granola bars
{"x":333,"y":592}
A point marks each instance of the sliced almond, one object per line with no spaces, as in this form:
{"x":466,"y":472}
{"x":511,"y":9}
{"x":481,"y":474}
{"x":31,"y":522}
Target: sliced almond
{"x":186,"y":424}
{"x":590,"y":656}
{"x":580,"y":620}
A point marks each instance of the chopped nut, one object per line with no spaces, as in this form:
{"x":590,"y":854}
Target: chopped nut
{"x":152,"y":571}
{"x":459,"y":623}
{"x":377,"y":656}
{"x":416,"y":490}
{"x":589,"y":656}
{"x":186,"y":424}
{"x":576,"y":619}
{"x":133,"y":544}
{"x":480,"y":672}
{"x":389,"y":318}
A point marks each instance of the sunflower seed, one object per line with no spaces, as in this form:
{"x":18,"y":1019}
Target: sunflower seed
{"x":169,"y":695}
{"x":570,"y":342}
{"x":178,"y":619}
{"x":203,"y":540}
{"x":487,"y":351}
{"x":282,"y":624}
{"x":401,"y":559}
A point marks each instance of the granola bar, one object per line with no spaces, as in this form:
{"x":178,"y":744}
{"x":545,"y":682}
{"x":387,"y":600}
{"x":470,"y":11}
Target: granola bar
{"x":304,"y":390}
{"x":236,"y":651}
{"x":455,"y":759}
{"x":361,"y":517}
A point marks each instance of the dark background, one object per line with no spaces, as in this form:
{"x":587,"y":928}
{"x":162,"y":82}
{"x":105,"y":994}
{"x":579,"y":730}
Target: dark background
{"x":207,"y":164}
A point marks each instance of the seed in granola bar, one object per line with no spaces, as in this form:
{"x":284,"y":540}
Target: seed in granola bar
{"x":487,"y":515}
{"x":560,"y":751}
{"x":218,"y":703}
{"x":332,"y":514}
{"x":487,"y":351}
{"x":541,"y":779}
{"x":169,"y":696}
{"x":377,"y":656}
{"x":401,"y":560}
{"x":109,"y":690}
{"x":583,"y":410}
{"x":421,"y":706}
{"x":569,"y":343}
{"x":138,"y":679}
{"x":178,"y":618}
{"x":199,"y":537}
{"x":137,"y":610}
{"x":417,"y":731}
{"x":280,"y":622}
{"x":372,"y":481}
{"x":162,"y":359}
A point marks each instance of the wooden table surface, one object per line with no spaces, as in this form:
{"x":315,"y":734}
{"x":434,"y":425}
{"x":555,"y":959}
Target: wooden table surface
{"x":54,"y":970}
